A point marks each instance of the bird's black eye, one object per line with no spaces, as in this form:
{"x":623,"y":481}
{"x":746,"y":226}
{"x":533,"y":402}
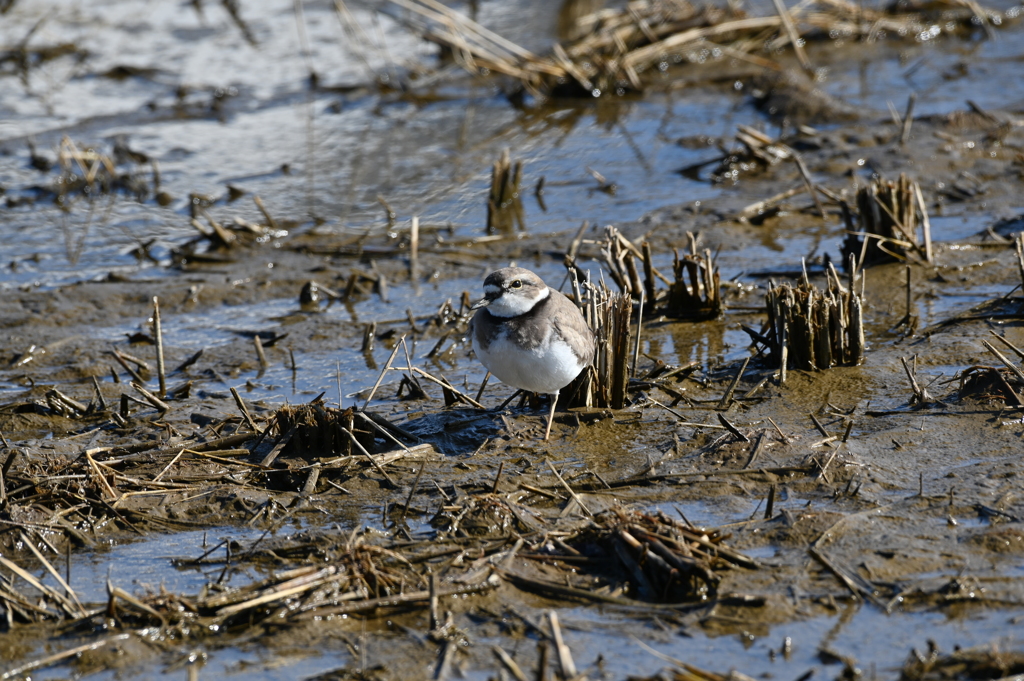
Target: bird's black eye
{"x":516,"y":284}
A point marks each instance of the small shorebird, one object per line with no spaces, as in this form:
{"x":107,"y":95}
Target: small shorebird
{"x":530,"y":336}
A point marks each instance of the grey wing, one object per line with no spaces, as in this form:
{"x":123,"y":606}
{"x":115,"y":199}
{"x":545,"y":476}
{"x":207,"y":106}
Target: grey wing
{"x":573,"y":327}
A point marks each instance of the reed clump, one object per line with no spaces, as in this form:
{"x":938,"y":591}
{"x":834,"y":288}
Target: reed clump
{"x":811,"y":328}
{"x":693,"y":294}
{"x":893,"y":223}
{"x":316,"y":430}
{"x":696,"y":292}
{"x":605,"y":382}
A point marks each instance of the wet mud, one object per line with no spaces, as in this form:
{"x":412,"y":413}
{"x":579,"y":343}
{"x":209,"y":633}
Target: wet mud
{"x":852,"y":520}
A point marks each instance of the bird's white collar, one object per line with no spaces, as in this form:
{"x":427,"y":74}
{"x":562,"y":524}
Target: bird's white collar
{"x":510,"y":304}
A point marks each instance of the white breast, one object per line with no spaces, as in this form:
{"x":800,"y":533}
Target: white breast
{"x":545,"y":369}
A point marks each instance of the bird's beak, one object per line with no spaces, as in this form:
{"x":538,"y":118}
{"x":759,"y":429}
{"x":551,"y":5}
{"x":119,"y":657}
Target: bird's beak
{"x":483,"y":302}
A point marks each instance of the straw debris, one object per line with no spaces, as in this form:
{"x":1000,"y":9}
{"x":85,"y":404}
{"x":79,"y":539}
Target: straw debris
{"x":661,"y":560}
{"x":630,"y":48}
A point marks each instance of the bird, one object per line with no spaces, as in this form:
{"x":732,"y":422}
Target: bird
{"x":529,"y":335}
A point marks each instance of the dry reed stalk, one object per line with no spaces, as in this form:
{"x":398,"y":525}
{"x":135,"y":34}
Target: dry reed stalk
{"x":891,"y":214}
{"x":504,"y":205}
{"x":158,"y":333}
{"x":1019,"y":245}
{"x":815,"y":329}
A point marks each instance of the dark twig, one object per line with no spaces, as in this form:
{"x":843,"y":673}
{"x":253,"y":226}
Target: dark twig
{"x":245,"y":411}
{"x":158,"y":332}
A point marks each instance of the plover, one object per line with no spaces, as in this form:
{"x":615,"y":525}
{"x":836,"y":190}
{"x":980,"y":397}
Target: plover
{"x":530,"y":336}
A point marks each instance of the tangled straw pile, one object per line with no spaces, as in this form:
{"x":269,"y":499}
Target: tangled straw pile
{"x":625,"y":48}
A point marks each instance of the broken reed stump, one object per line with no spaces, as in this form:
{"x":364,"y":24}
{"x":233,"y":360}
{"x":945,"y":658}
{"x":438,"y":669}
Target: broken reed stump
{"x":989,"y":384}
{"x":890,"y":215}
{"x":504,"y":205}
{"x":618,"y":255}
{"x":696,"y":292}
{"x":315,"y":430}
{"x":604,"y":383}
{"x":814,"y":329}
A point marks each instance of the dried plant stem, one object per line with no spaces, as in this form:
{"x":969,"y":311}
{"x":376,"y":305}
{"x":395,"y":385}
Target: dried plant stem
{"x":158,"y":332}
{"x":245,"y":411}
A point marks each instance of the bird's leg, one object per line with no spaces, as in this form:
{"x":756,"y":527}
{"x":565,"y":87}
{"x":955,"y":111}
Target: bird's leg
{"x":551,"y":414}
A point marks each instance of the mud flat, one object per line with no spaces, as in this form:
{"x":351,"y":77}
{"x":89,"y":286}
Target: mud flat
{"x":277,"y":423}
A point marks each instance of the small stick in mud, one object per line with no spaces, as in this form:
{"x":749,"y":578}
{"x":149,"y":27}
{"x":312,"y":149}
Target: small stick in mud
{"x":497,"y":477}
{"x":414,"y":249}
{"x":510,"y":664}
{"x":849,"y":429}
{"x":577,"y":241}
{"x":483,"y":385}
{"x":1020,"y":257}
{"x":380,"y":378}
{"x":412,"y":491}
{"x":435,"y":619}
{"x":576,"y":497}
{"x":445,"y":384}
{"x":731,"y":428}
{"x":261,"y":356}
{"x":727,"y":397}
{"x":910,"y":298}
{"x":921,"y":395}
{"x":409,"y":367}
{"x":122,"y":360}
{"x":1017,"y":351}
{"x":389,"y":212}
{"x":649,"y":283}
{"x":271,"y":222}
{"x":817,"y":424}
{"x":794,"y":37}
{"x":362,"y":450}
{"x":564,"y":654}
{"x":639,"y":330}
{"x":1002,"y":358}
{"x":151,"y":398}
{"x":245,"y":410}
{"x":101,"y":404}
{"x":158,"y":332}
{"x":908,"y":120}
{"x":369,"y":333}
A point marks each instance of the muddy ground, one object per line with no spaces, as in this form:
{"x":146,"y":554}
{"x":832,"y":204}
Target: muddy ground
{"x":840,"y":493}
